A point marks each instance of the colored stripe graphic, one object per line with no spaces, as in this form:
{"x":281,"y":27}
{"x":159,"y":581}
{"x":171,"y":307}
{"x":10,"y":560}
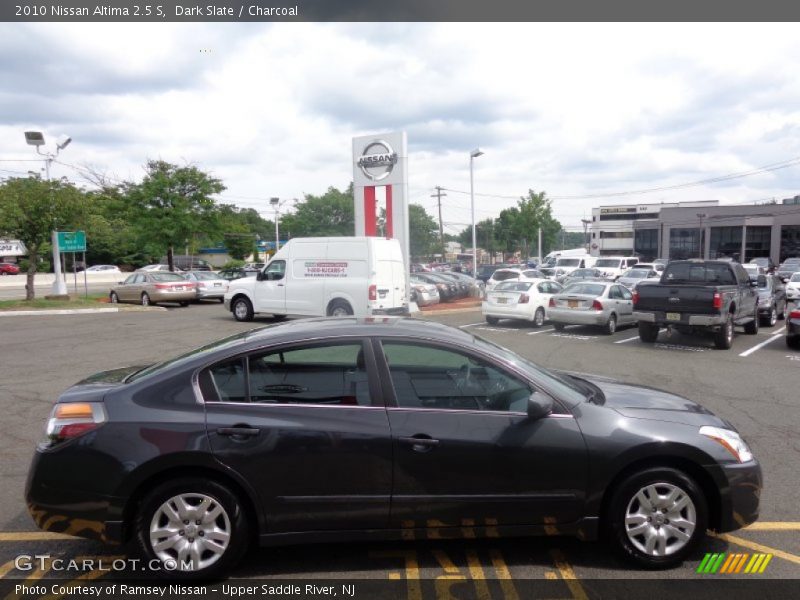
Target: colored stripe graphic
{"x":733,"y":563}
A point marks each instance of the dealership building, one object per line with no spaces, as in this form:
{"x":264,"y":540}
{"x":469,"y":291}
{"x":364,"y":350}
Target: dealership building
{"x":694,"y":229}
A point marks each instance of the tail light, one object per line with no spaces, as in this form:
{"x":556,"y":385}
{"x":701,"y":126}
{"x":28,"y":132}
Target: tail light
{"x":552,"y":303}
{"x":717,"y":302}
{"x":635,"y":296}
{"x":523,"y":299}
{"x":596,"y":305}
{"x":795,"y":314}
{"x":373,"y":292}
{"x":71,"y":420}
{"x":163,"y":286}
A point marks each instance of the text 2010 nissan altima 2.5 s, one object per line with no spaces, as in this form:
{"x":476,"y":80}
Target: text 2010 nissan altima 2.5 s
{"x":341,"y":429}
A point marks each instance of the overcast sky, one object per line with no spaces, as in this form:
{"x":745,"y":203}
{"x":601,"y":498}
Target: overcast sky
{"x":570,"y":109}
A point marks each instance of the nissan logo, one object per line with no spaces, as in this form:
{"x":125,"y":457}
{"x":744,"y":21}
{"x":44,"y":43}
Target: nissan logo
{"x":377,"y":160}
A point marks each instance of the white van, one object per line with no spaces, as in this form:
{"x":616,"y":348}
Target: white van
{"x":333,"y":276}
{"x":614,"y":266}
{"x":567,"y":264}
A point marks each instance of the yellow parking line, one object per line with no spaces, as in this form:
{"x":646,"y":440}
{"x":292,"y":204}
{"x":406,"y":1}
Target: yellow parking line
{"x":33,"y":536}
{"x":732,"y":539}
{"x":568,"y":575}
{"x":7,"y":568}
{"x":774,"y":526}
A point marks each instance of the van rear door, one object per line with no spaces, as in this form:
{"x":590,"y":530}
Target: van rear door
{"x":390,"y":278}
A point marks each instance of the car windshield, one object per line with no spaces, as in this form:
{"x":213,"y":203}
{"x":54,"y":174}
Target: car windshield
{"x":167,"y":277}
{"x":559,"y":385}
{"x":795,"y":278}
{"x":590,"y":289}
{"x":568,"y":262}
{"x":607,"y":262}
{"x":503,"y":275}
{"x":514,"y":286}
{"x":636,"y":273}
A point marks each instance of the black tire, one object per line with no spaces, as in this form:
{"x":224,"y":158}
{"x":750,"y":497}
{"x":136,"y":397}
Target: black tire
{"x":559,"y":326}
{"x":751,"y":328}
{"x":146,"y":299}
{"x":793,"y":342}
{"x":648,"y":332}
{"x":611,"y":325}
{"x":339,"y":308}
{"x":113,"y":298}
{"x":492,"y":320}
{"x":222,"y":300}
{"x":538,"y":317}
{"x":771,"y":318}
{"x":232,"y":519}
{"x":723,"y":337}
{"x":242,"y":309}
{"x":278,"y":317}
{"x":184,"y":303}
{"x":625,"y":502}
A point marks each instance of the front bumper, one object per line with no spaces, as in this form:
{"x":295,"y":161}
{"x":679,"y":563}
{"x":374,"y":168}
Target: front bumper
{"x":740,"y":495}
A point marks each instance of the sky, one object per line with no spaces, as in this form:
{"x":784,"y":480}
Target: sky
{"x":578,"y":111}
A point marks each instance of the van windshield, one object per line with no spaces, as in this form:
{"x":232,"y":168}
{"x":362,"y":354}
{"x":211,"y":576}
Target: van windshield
{"x":568,"y":262}
{"x":608,"y":262}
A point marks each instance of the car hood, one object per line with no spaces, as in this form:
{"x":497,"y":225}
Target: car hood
{"x":642,"y":402}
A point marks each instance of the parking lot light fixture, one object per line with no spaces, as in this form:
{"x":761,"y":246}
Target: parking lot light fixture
{"x":472,"y":156}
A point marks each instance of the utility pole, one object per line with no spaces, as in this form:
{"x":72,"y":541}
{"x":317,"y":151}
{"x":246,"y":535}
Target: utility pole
{"x":539,"y":256}
{"x":585,"y":233}
{"x":438,"y":195}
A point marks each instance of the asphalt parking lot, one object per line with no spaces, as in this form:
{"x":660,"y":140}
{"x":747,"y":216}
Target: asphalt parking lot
{"x":754,"y":385}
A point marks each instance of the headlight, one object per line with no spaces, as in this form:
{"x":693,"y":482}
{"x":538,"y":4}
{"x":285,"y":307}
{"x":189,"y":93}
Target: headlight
{"x":730,"y":440}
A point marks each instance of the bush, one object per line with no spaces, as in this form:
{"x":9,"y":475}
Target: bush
{"x":42,"y":267}
{"x":233,"y":264}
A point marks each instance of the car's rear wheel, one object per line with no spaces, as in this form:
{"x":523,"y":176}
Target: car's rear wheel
{"x":793,"y":342}
{"x":242,"y":309}
{"x":184,"y":303}
{"x":558,"y":326}
{"x":772,"y":317}
{"x":723,"y":337}
{"x":339,"y":308}
{"x":195,"y":527}
{"x":611,"y":325}
{"x":145,"y":299}
{"x":656,"y":517}
{"x":648,"y":332}
{"x":113,"y":298}
{"x":538,"y":317}
{"x":751,"y":328}
{"x":492,"y":320}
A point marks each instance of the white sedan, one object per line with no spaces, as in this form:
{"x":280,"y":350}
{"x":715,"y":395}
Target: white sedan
{"x":103,"y":269}
{"x":793,"y":288}
{"x":522,"y":300}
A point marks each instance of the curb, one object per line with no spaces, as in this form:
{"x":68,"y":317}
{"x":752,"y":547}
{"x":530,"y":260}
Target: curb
{"x":75,"y":311}
{"x":448,"y":311}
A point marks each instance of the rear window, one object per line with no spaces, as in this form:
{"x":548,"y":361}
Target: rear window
{"x":167,"y":277}
{"x":637,"y":273}
{"x":795,"y":278}
{"x":513,"y":286}
{"x":608,"y":262}
{"x":592,"y":289}
{"x":568,"y":262}
{"x":699,"y":273}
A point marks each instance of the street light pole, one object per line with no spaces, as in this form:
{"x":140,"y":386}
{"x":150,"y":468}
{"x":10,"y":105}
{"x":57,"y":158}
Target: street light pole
{"x":472,"y":156}
{"x":36,"y":138}
{"x":276,"y":203}
{"x":701,"y":216}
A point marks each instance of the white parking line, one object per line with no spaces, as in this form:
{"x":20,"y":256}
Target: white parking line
{"x":471,"y":325}
{"x":630,"y":339}
{"x":497,"y":329}
{"x":540,"y":331}
{"x":761,"y":345}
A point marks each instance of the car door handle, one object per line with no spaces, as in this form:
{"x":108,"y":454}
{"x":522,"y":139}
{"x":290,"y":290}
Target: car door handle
{"x":240,"y":432}
{"x":419,"y":444}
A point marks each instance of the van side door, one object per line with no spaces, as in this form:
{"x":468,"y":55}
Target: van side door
{"x":270,"y":291}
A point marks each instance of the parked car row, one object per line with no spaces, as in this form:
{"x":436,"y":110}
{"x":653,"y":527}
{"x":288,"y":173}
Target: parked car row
{"x":151,"y":287}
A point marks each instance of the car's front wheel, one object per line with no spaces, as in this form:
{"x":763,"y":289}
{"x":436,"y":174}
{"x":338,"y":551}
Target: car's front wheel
{"x":195,"y":527}
{"x":492,"y":320}
{"x":242,"y":309}
{"x":656,"y":517}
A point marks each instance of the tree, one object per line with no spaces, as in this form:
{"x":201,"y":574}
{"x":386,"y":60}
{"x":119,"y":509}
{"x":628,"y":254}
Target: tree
{"x":173,"y":204}
{"x":31,"y":209}
{"x":332,"y":214}
{"x":423,"y":231}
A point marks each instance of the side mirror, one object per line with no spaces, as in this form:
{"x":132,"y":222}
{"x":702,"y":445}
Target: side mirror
{"x":539,"y":406}
{"x":260,"y":276}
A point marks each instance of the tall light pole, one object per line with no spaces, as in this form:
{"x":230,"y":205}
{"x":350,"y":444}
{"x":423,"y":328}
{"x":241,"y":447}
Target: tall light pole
{"x":36,"y":138}
{"x":276,"y":204}
{"x":472,"y":156}
{"x":702,"y":216}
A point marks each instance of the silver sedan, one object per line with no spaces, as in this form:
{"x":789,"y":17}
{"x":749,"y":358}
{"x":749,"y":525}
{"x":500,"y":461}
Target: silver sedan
{"x":605,"y":305}
{"x":209,"y":285}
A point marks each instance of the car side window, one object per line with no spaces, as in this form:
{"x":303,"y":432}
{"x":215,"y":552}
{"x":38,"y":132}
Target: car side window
{"x":430,"y":377}
{"x":224,"y":382}
{"x":544,"y":288}
{"x":615,"y":293}
{"x":626,"y":294}
{"x":140,"y":278}
{"x":328,"y":374}
{"x":130,"y":279}
{"x":276,"y":270}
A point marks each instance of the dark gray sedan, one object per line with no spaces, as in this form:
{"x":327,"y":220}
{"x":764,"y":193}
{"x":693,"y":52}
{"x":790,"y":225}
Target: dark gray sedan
{"x":346,"y":429}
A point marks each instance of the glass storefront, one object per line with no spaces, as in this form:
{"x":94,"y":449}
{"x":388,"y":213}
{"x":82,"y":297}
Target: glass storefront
{"x":790,"y":241}
{"x":684,"y":243}
{"x":645,"y":244}
{"x":757,"y":243}
{"x":725,"y":242}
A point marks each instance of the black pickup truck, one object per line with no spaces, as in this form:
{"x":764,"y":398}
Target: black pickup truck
{"x":695,"y":296}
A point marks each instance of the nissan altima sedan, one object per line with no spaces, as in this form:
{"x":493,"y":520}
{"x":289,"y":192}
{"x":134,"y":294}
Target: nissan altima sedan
{"x":521,"y":300}
{"x":341,"y":429}
{"x":606,"y":305}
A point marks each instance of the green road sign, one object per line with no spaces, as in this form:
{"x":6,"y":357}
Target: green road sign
{"x":72,"y":241}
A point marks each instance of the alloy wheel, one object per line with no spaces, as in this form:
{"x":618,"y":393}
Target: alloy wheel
{"x":660,"y":519}
{"x":190,"y":531}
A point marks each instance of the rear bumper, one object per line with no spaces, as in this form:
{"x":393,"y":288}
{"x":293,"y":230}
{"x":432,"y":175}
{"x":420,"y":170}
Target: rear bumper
{"x":173,"y":296}
{"x":660,"y":318}
{"x":398,"y":310}
{"x":577,"y":317}
{"x":505,"y":312}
